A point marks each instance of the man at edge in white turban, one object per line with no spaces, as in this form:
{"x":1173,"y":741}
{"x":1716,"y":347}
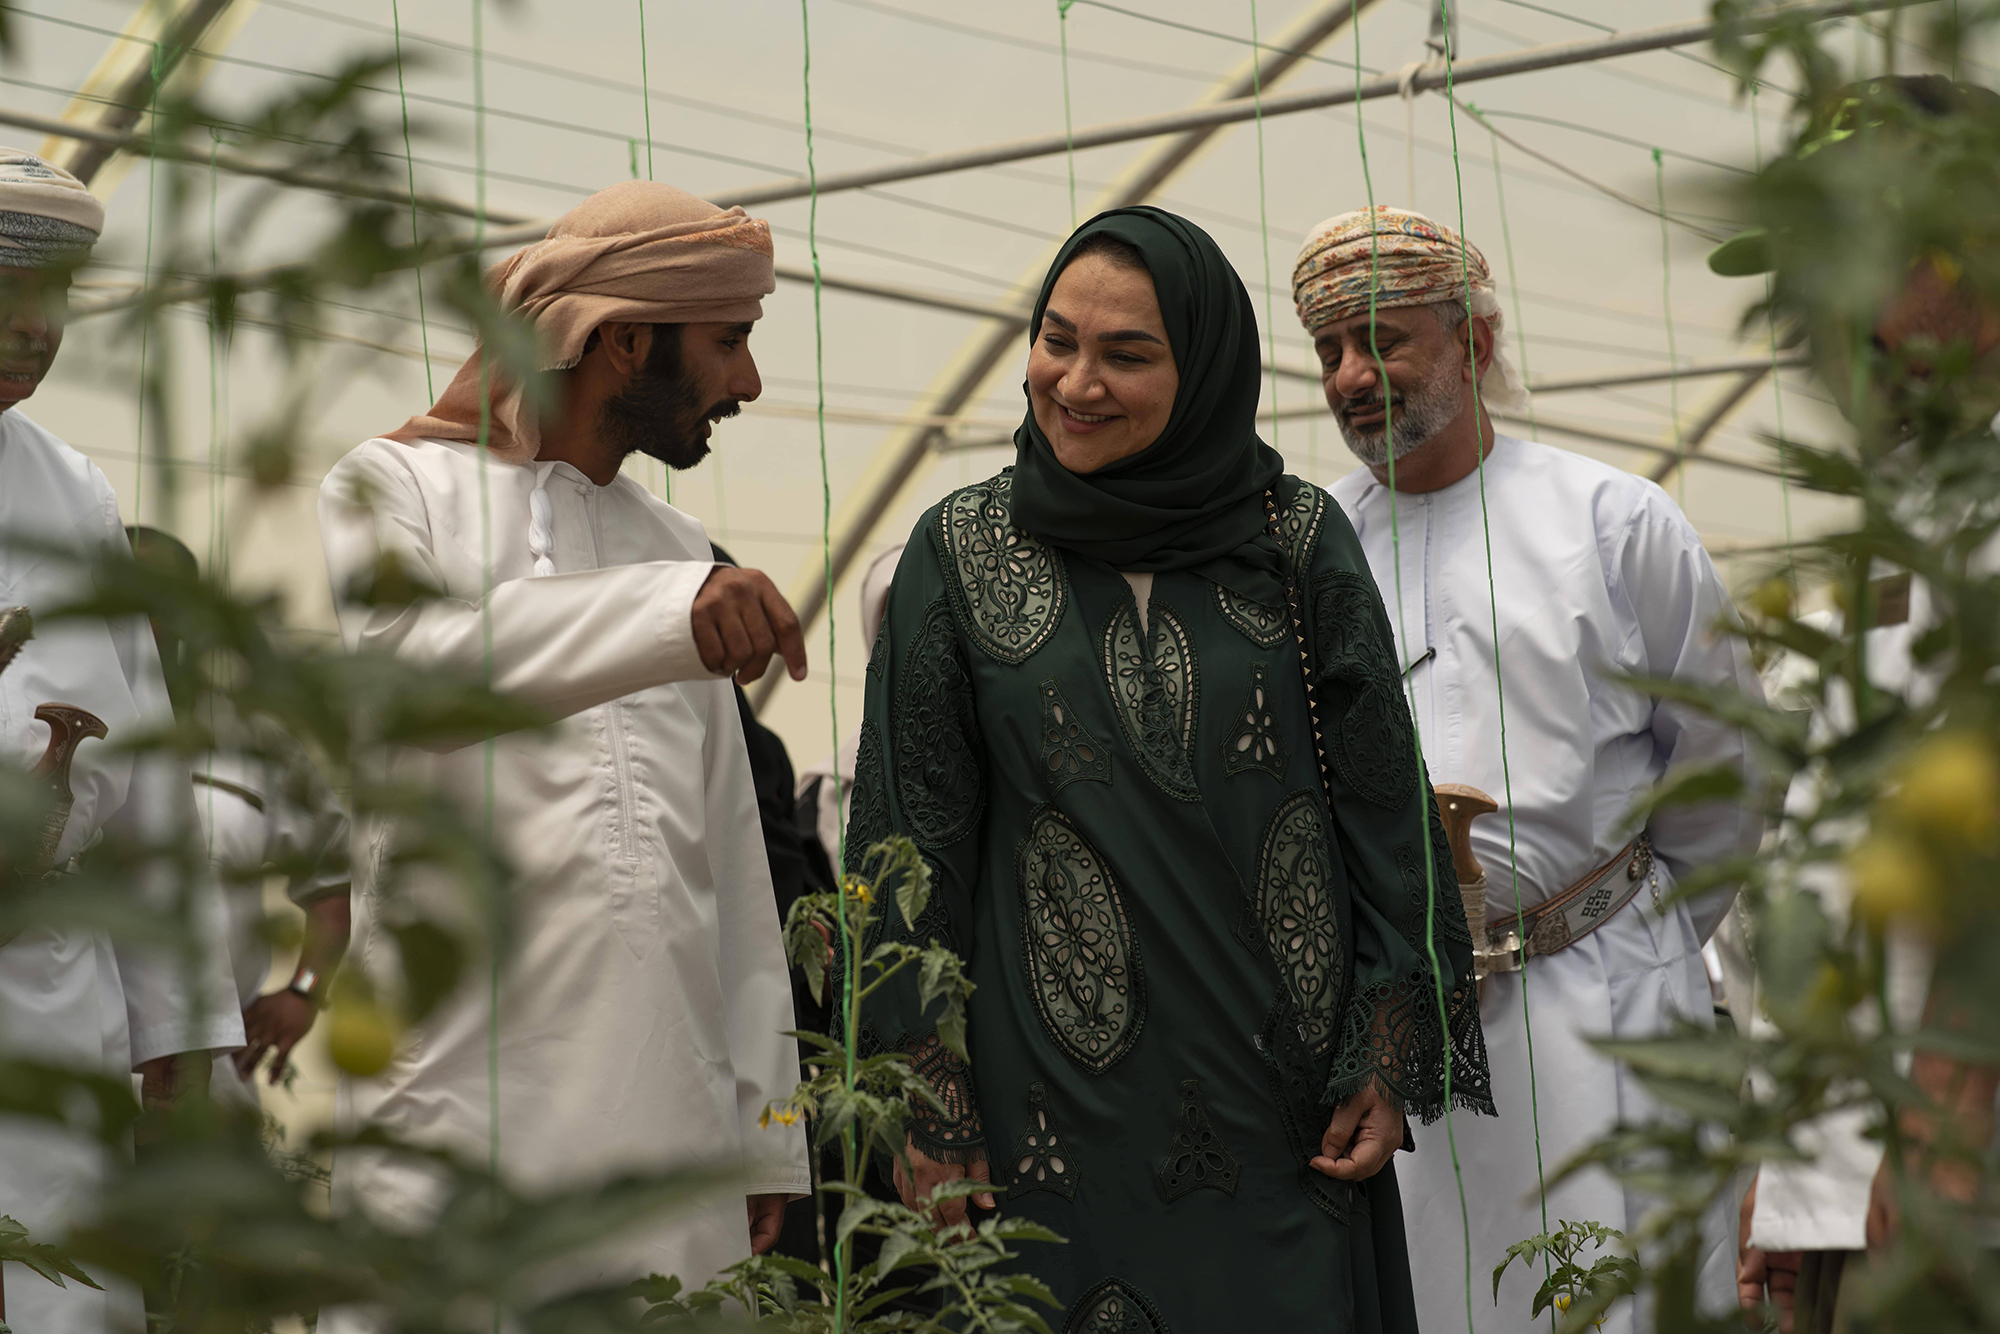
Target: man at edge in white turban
{"x":644,"y":1002}
{"x":70,"y":995}
{"x":1594,"y":575}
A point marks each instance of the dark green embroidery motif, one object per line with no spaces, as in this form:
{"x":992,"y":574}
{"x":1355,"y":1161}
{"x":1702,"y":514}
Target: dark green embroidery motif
{"x":1198,"y":1160}
{"x":1295,"y":901}
{"x":1069,"y":752}
{"x":1449,"y":919}
{"x":1301,"y":514}
{"x":1083,"y":962}
{"x":868,"y":809}
{"x":878,"y":656}
{"x":940,"y":770}
{"x":1010,"y":585}
{"x":1257,"y":742}
{"x":1042,"y":1158}
{"x":1113,"y":1307}
{"x":1153,"y":682}
{"x":1266,"y":627}
{"x":1370,"y":740}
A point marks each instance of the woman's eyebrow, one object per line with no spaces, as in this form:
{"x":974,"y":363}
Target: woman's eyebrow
{"x":1115,"y":336}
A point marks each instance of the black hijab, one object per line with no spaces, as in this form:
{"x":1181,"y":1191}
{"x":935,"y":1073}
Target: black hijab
{"x":1194,"y":498}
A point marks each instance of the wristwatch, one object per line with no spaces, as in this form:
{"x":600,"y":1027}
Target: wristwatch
{"x":305,"y":984}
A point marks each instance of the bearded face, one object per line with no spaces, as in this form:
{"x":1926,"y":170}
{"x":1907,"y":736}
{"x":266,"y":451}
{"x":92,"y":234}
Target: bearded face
{"x":666,"y":412}
{"x":1410,"y":419}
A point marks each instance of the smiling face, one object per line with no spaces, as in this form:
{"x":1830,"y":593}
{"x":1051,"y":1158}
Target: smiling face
{"x":1429,"y":380}
{"x":33,"y":305}
{"x":1101,"y":374}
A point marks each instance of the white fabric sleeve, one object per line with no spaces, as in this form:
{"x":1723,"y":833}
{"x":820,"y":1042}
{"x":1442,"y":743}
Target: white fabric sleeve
{"x":756,"y":982}
{"x":172,"y":1004}
{"x":1683,"y":612}
{"x":564,"y":642}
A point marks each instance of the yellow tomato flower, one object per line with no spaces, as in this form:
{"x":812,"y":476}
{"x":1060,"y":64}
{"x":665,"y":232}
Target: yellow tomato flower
{"x":1950,"y":789}
{"x":360,"y":1037}
{"x":1890,"y":879}
{"x":861,"y":889}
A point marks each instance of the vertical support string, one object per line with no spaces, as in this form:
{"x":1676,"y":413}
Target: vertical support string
{"x":662,"y":478}
{"x":146,"y":308}
{"x":486,"y":587}
{"x":1416,"y":734}
{"x":1069,"y":133}
{"x":1264,"y":215}
{"x":1667,"y":312}
{"x":851,"y":987}
{"x":410,"y":172}
{"x":1493,"y":598}
{"x":1771,"y":326}
{"x":1513,"y":274}
{"x":214,"y":382}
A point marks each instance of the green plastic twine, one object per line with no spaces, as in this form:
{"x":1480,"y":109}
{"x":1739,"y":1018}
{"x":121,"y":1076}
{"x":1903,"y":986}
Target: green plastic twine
{"x":1264,"y":216}
{"x":1513,"y":280}
{"x":1069,"y":134}
{"x":1416,"y":734}
{"x":1777,"y":390}
{"x":1493,"y":610}
{"x":1667,"y":312}
{"x":663,"y":477}
{"x":410,"y":170}
{"x":645,"y":91}
{"x":486,"y":585}
{"x":851,"y":983}
{"x":146,"y":274}
{"x":214,"y":392}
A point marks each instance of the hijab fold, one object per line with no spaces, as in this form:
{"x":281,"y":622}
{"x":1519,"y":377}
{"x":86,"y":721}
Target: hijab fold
{"x":1194,"y":498}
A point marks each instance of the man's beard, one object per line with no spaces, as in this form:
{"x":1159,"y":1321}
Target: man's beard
{"x":659,"y":414}
{"x":1415,"y":417}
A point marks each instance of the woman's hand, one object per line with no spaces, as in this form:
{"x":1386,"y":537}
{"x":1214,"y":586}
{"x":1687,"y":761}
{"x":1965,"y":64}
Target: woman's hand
{"x":1363,"y":1133}
{"x":930,"y":1174}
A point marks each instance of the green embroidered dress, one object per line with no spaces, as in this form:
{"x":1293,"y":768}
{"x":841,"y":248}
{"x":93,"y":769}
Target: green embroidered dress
{"x":1186,"y":955}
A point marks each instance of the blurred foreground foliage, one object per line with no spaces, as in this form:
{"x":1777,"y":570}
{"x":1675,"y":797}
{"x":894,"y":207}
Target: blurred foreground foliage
{"x":1880,"y":788}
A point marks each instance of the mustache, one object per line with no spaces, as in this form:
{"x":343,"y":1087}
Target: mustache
{"x":724,"y":410}
{"x":1373,"y":403}
{"x":37,"y":348}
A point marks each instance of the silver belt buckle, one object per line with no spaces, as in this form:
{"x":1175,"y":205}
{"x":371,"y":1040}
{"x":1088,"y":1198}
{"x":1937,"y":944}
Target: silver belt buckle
{"x":1510,"y":956}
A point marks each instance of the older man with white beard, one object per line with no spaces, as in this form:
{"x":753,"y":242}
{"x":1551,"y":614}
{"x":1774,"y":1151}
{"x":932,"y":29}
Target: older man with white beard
{"x":1586,"y":575}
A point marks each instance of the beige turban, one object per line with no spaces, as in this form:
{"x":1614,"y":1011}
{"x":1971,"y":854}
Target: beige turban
{"x":47,"y":216}
{"x":1403,"y":259}
{"x":640,"y":252}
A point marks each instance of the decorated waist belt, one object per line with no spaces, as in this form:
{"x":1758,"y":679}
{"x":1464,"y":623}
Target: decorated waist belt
{"x":1573,"y":914}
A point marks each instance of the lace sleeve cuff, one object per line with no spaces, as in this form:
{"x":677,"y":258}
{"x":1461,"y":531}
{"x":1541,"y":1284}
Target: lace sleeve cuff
{"x":954,"y":1134}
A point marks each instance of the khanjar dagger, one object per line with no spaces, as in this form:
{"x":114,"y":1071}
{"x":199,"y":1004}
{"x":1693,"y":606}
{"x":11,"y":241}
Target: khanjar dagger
{"x":69,"y":726}
{"x":1458,"y":806}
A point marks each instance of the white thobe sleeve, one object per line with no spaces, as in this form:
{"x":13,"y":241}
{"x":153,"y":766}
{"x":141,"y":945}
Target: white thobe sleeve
{"x":1682,"y":612}
{"x":756,"y":983}
{"x":562,"y":642}
{"x":172,"y":1003}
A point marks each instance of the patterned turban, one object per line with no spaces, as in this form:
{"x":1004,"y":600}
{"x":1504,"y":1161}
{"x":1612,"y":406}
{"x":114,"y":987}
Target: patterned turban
{"x":639,"y":252}
{"x":47,"y":216}
{"x":1420,"y":263}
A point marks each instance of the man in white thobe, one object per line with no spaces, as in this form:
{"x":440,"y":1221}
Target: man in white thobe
{"x":71,"y":995}
{"x":1593,"y":575}
{"x":643,"y":1007}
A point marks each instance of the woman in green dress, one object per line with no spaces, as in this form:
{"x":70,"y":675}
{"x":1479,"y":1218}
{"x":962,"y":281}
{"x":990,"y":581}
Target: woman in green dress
{"x":1213,"y":973}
